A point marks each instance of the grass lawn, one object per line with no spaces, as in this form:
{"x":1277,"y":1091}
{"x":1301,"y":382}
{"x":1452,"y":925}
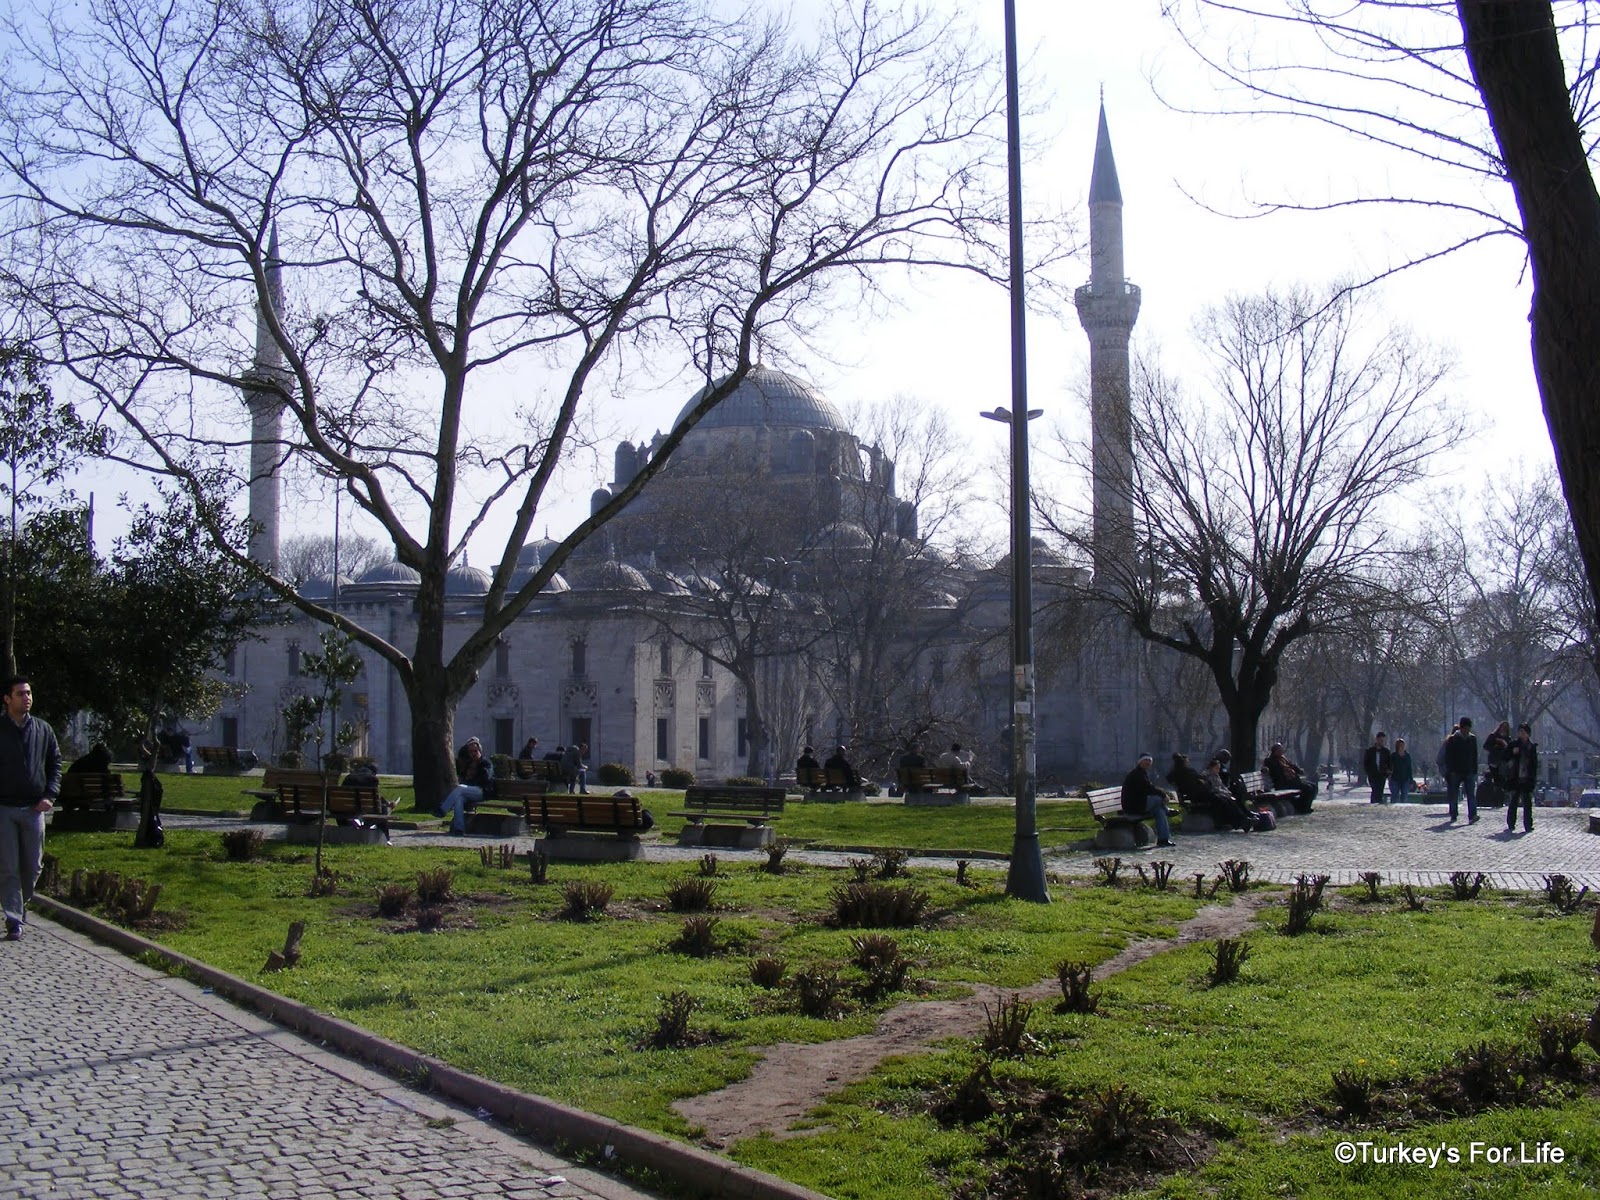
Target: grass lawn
{"x":510,"y":989}
{"x":984,"y":827}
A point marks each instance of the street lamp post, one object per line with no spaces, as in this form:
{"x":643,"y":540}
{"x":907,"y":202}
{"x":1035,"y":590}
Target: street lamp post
{"x":1025,"y":880}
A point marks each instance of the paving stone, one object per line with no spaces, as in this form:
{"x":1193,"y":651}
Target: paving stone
{"x":139,"y":1085}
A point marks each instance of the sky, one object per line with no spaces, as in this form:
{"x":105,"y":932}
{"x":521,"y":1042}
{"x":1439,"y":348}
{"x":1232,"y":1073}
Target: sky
{"x":947,"y":343}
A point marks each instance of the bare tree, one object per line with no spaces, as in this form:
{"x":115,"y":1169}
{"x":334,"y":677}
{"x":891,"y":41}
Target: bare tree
{"x":893,"y":612}
{"x":1501,"y":91}
{"x":739,"y":534}
{"x":311,"y":555}
{"x":570,"y":188}
{"x":1255,"y":514}
{"x":1496,"y":612}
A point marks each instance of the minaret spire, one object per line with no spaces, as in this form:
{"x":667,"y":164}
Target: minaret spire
{"x":1107,"y":308}
{"x":265,"y":402}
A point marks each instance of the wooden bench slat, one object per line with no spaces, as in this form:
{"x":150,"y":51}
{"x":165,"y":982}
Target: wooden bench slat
{"x":90,"y":789}
{"x":928,"y":779}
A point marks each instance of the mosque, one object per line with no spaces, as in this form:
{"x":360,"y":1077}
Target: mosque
{"x":594,"y":660}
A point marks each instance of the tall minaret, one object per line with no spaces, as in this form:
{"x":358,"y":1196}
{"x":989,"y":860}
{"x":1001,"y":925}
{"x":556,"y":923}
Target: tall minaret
{"x":266,"y":420}
{"x":1107,"y":308}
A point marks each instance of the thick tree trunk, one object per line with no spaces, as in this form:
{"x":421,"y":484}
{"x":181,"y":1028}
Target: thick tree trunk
{"x":433,"y":757}
{"x":1516,"y":63}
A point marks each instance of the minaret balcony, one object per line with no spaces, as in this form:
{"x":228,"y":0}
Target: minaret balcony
{"x":1101,"y":307}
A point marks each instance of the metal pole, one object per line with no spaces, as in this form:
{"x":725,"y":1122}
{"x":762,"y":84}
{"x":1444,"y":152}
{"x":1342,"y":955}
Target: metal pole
{"x":1025,"y":880}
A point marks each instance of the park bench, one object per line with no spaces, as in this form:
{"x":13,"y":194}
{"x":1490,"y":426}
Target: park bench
{"x":827,"y":783}
{"x":926,"y":786}
{"x":1118,"y":830}
{"x":94,"y":801}
{"x":539,"y":768}
{"x":273,"y":782}
{"x":724,"y":815}
{"x":504,"y":814}
{"x":361,"y":813}
{"x":226,"y":760}
{"x":1283,"y":801}
{"x":568,"y":820}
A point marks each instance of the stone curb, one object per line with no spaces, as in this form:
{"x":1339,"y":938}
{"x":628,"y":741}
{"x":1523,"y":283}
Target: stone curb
{"x":546,"y":1121}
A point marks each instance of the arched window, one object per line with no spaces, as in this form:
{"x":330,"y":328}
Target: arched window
{"x":665,"y":659}
{"x":580,"y":658}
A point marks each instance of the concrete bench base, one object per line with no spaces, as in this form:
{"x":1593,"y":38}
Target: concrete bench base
{"x":501,"y":824}
{"x":1594,"y":822}
{"x":1122,"y":837}
{"x":576,"y":848}
{"x":936,"y":799}
{"x":1199,"y":822}
{"x":727,"y":837}
{"x":304,"y":833}
{"x":95,"y":820}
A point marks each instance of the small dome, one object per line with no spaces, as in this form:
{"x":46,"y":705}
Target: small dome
{"x":321,"y":587}
{"x":554,"y":584}
{"x":393,"y":573}
{"x":1044,"y":557}
{"x":536,"y":551}
{"x":846,"y":535}
{"x":465,"y":581}
{"x":609,"y":575}
{"x":665,"y":582}
{"x":768,"y":398}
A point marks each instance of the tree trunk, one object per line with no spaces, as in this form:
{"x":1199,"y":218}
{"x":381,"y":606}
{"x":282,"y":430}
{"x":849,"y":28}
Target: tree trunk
{"x":755,"y":727}
{"x":1517,"y":66}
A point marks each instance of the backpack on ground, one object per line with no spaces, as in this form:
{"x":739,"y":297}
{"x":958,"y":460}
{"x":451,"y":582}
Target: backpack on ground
{"x":1266,"y":820}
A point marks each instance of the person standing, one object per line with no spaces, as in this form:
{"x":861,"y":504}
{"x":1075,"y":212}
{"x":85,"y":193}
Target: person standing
{"x":1521,"y":772}
{"x":1402,"y":773}
{"x":1141,"y":797}
{"x":1461,"y":770}
{"x":30,"y":781}
{"x":1378,"y":763}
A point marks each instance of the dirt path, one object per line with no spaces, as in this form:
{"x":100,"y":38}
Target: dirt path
{"x":792,"y":1079}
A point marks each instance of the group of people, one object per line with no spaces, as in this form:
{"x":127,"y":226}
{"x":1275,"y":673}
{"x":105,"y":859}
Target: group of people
{"x":1512,"y":765}
{"x":1217,"y":790}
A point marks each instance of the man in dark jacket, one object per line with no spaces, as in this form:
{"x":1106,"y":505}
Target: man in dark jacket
{"x":30,"y":781}
{"x":1378,"y":763}
{"x":1522,"y":771}
{"x":1461,"y":770}
{"x":1142,"y":797}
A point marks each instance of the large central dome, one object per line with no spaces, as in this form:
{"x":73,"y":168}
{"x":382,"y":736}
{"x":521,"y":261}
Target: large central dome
{"x":771,"y":398}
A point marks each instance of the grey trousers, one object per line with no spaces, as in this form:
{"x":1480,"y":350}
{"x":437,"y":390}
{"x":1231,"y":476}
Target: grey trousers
{"x":21,"y":856}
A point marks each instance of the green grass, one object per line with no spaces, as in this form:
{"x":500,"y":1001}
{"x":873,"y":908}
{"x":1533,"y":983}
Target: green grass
{"x":558,"y":1007}
{"x":510,"y":991}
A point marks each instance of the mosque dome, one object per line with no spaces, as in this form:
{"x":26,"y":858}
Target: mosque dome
{"x":522,"y":574}
{"x":536,"y":551}
{"x":391,"y":574}
{"x":768,"y":398}
{"x":466,"y":581}
{"x":845,"y":535}
{"x":609,"y":575}
{"x":321,"y":587}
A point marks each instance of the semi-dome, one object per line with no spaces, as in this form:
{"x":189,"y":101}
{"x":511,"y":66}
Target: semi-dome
{"x":845,"y":535}
{"x":466,"y":581}
{"x":768,"y":397}
{"x":321,"y":587}
{"x":393,"y":574}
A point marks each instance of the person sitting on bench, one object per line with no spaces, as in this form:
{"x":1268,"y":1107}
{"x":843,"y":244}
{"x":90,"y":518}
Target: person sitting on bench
{"x":476,"y":777}
{"x":807,"y":761}
{"x":1141,"y":797}
{"x":838,"y":762}
{"x":1286,"y":775}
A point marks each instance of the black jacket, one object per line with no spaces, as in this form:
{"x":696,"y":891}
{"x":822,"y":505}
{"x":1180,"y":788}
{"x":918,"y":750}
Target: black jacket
{"x":1137,"y":788}
{"x":30,"y":762}
{"x":1461,"y":754}
{"x":1378,"y":762}
{"x":1522,"y":766}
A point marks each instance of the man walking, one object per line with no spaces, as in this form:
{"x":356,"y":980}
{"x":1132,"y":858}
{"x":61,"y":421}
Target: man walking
{"x":1461,"y":769}
{"x":30,"y":781}
{"x":1377,"y":764}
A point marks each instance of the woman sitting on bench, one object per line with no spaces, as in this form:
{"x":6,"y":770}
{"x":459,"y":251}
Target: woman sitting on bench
{"x":477,"y":781}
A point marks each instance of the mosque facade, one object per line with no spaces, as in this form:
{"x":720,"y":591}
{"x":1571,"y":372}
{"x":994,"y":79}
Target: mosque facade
{"x":593,"y":658}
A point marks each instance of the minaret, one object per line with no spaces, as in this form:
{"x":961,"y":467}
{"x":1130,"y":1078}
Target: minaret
{"x":266,"y":420}
{"x":1107,"y":308}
